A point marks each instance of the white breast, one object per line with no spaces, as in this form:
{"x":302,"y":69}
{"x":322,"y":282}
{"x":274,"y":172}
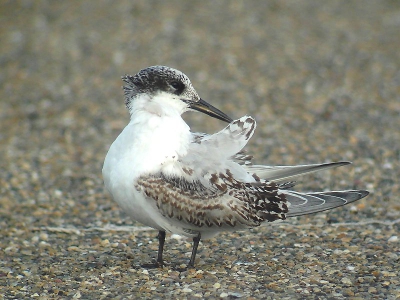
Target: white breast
{"x":145,"y":146}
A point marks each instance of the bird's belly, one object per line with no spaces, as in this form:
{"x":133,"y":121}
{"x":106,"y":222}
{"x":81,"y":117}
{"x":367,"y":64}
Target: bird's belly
{"x":135,"y":204}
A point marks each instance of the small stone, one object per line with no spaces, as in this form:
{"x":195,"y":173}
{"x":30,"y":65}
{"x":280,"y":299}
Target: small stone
{"x":105,"y":242}
{"x":348,"y":292}
{"x":324,"y":281}
{"x":217,"y":285}
{"x":224,"y":295}
{"x":353,"y":208}
{"x":235,"y":295}
{"x":43,"y":244}
{"x":393,"y":256}
{"x":74,"y":248}
{"x":350,"y":268}
{"x":43,"y":236}
{"x":11,"y":249}
{"x":346,"y":281}
{"x":393,"y":239}
{"x":376,"y":273}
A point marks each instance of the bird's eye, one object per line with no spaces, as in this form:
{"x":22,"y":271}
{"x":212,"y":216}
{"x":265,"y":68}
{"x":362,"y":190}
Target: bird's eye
{"x":177,"y":86}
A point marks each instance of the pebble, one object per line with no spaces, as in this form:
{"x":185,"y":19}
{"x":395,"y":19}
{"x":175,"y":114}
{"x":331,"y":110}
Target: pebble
{"x":74,"y":248}
{"x":61,"y":107}
{"x":346,"y":281}
{"x":350,"y":268}
{"x":224,"y":295}
{"x":217,"y":285}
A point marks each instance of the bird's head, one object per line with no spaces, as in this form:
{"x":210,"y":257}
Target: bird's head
{"x":167,"y":87}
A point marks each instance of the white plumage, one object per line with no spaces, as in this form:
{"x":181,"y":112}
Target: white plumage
{"x":194,"y":184}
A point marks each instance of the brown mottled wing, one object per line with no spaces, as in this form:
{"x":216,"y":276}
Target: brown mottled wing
{"x":225,"y":203}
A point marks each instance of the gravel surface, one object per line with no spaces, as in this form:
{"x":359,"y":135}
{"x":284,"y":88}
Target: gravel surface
{"x":321,"y":78}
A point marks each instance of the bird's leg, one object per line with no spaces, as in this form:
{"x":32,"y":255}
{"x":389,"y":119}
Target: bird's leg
{"x":196,"y":241}
{"x":159,"y":263}
{"x":161,"y":240}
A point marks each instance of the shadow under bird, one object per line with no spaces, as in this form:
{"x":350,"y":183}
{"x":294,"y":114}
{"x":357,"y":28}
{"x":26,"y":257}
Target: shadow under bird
{"x":194,"y":184}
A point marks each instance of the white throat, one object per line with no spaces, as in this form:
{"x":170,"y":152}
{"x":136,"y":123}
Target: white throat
{"x":162,"y":104}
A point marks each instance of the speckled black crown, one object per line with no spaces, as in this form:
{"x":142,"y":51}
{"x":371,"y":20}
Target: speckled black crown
{"x":154,"y":79}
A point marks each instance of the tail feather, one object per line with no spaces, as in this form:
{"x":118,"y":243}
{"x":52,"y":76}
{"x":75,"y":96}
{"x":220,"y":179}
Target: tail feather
{"x":303,"y":204}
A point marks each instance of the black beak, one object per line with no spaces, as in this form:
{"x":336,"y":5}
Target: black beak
{"x":210,"y":110}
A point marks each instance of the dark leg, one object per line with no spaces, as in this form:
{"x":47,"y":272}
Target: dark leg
{"x":159,"y":263}
{"x":161,"y":240}
{"x":196,"y":241}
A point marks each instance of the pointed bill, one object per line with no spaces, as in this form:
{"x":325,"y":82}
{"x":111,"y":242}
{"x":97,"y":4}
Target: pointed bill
{"x":210,"y":110}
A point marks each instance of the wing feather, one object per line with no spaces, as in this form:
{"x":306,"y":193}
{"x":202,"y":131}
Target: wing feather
{"x":282,"y":173}
{"x":217,"y":185}
{"x":225,"y":202}
{"x":302,"y":204}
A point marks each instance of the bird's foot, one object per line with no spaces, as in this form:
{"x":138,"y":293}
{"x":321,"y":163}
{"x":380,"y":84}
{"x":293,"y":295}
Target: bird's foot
{"x":183,"y":268}
{"x":155,"y":265}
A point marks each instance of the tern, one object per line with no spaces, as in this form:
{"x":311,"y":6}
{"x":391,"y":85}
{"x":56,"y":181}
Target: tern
{"x":194,"y":184}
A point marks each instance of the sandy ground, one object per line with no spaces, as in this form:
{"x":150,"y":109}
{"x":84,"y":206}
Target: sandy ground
{"x":321,"y":78}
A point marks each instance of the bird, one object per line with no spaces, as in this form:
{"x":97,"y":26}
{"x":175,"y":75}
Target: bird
{"x":195,"y":184}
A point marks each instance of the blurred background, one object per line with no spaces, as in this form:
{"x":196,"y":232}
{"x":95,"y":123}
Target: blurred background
{"x":321,"y":78}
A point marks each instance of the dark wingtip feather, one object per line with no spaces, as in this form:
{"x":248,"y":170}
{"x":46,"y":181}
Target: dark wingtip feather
{"x":303,"y":204}
{"x":363,"y":193}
